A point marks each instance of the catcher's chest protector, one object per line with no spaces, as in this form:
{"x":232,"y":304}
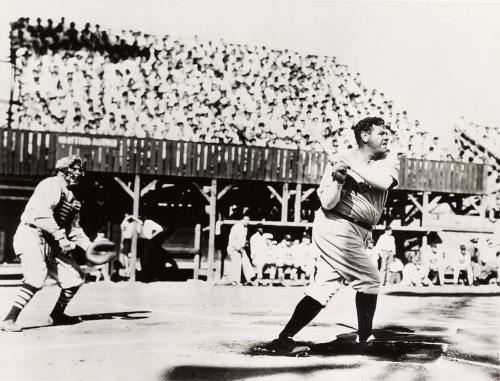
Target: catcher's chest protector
{"x":64,"y":212}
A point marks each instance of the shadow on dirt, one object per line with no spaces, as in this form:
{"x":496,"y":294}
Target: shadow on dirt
{"x":221,"y":373}
{"x":394,"y":343}
{"x":129,"y":315}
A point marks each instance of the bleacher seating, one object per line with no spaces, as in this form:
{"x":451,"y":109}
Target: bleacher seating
{"x":135,"y":84}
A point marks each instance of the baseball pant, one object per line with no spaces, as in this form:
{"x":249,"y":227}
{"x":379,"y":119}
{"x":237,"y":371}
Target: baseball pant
{"x":33,"y":249}
{"x":340,"y":246}
{"x":239,"y":263}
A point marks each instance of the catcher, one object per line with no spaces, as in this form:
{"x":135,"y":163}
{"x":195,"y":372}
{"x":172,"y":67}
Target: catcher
{"x":45,"y":241}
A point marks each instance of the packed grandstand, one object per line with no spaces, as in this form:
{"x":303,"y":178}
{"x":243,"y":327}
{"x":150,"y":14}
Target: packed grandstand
{"x":130,"y":83}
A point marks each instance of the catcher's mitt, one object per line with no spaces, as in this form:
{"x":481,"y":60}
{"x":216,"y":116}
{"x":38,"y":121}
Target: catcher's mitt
{"x":101,"y":251}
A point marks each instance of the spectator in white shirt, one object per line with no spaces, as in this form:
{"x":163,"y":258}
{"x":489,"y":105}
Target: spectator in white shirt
{"x":239,"y":263}
{"x":386,"y":248}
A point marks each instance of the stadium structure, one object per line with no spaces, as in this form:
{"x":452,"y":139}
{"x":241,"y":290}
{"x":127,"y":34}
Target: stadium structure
{"x":176,"y":129}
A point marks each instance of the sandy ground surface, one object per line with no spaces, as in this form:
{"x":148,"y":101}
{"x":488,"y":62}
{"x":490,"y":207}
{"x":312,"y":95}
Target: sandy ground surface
{"x":194,"y":331}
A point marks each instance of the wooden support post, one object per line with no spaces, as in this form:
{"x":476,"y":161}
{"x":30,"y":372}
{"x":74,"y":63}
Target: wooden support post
{"x":298,"y":203}
{"x":212,"y":209}
{"x":197,"y":240}
{"x":425,"y":209}
{"x":284,"y":203}
{"x":137,"y":197}
{"x":482,"y":205}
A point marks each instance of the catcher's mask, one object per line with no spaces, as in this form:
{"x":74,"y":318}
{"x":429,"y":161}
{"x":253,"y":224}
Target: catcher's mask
{"x":72,"y":168}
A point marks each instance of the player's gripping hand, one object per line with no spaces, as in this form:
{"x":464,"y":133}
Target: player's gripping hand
{"x":339,"y":172}
{"x":66,"y":245}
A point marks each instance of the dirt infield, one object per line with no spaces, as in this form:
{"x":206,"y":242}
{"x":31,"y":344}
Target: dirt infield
{"x":194,"y":331}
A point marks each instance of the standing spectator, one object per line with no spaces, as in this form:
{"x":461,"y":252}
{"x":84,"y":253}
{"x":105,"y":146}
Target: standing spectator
{"x":149,"y":230}
{"x":372,"y":252}
{"x":258,"y":249}
{"x":128,"y":225}
{"x":462,"y":263}
{"x":239,"y":262}
{"x":386,"y":249}
{"x":475,"y":257}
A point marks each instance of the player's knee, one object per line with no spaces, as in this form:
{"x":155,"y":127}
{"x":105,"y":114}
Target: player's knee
{"x":323,"y":292}
{"x":371,"y":286}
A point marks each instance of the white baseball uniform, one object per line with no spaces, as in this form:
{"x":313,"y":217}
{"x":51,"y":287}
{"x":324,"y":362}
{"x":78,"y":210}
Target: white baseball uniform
{"x":341,"y":244}
{"x":34,"y":239}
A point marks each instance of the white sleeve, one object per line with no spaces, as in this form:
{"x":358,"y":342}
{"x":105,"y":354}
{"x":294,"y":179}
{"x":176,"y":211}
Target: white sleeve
{"x":41,"y":207}
{"x":329,"y":191}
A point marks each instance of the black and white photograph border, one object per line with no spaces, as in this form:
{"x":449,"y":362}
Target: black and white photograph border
{"x":249,"y":190}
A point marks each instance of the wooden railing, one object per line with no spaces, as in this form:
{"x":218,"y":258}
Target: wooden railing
{"x":35,"y":153}
{"x":442,"y":176}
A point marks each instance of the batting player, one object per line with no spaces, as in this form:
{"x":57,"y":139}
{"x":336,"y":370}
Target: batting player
{"x":48,"y":233}
{"x":352,"y":192}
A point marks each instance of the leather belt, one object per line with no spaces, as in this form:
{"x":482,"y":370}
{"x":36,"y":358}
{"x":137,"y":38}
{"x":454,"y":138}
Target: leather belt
{"x":352,"y":220}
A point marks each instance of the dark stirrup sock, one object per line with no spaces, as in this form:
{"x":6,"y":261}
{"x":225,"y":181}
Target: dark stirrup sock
{"x":24,"y":295}
{"x":306,"y":310}
{"x":365,"y":307}
{"x":64,"y":298}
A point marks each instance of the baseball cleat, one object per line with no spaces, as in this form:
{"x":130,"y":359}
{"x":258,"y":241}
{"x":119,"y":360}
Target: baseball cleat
{"x":63,"y":319}
{"x":287,"y":347}
{"x":10,"y":326}
{"x":369,"y":339}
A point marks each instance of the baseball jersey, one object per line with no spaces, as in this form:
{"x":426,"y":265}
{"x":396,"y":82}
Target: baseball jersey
{"x":150,"y":229}
{"x":358,"y":199}
{"x":237,"y":236}
{"x":39,"y":210}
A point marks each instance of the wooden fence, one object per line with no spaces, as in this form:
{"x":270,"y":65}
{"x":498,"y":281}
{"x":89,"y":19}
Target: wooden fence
{"x":35,"y":153}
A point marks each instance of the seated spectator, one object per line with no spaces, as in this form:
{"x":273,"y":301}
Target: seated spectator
{"x":475,"y":257}
{"x":414,"y":274}
{"x":395,"y":271}
{"x":433,"y":263}
{"x":305,"y":260}
{"x":462,"y":266}
{"x":489,"y":263}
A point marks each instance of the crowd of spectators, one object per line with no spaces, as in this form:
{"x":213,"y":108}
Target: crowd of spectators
{"x":282,"y":260}
{"x":476,"y":144}
{"x":131,"y":83}
{"x":277,"y":261}
{"x":471,"y":264}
